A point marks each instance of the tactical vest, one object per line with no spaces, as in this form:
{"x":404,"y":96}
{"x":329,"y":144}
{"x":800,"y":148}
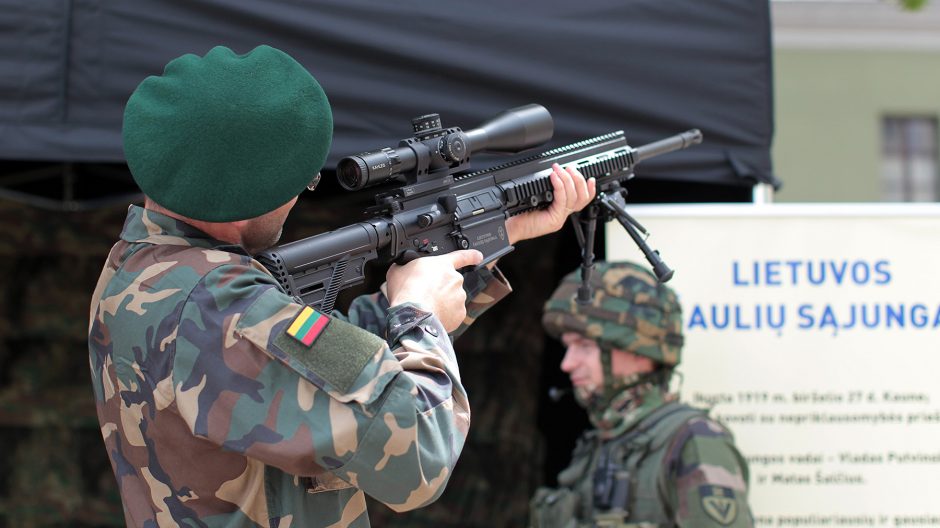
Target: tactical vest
{"x":618,"y":483}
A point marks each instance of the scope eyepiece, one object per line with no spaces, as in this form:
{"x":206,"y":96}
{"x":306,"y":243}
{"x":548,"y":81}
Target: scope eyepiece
{"x":350,"y":171}
{"x":373,"y":168}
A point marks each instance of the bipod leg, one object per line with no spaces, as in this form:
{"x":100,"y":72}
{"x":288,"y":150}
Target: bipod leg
{"x":662,"y":271}
{"x":585,"y":228}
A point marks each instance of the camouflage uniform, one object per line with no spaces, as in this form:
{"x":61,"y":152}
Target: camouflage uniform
{"x":650,"y":461}
{"x":215,"y":413}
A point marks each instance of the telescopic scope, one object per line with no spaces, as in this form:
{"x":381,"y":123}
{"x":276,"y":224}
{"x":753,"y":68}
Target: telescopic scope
{"x":435,"y":149}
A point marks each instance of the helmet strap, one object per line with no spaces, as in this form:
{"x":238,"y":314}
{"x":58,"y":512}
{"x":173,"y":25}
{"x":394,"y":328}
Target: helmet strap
{"x":661,"y":376}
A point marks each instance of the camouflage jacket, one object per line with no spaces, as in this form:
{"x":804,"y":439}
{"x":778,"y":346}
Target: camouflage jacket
{"x":223,"y":402}
{"x":674,"y":468}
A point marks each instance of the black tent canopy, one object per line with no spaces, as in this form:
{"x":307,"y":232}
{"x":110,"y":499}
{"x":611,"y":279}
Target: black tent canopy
{"x":649,"y":67}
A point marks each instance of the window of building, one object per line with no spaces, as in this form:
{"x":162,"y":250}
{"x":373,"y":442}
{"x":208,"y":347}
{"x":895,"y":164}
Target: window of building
{"x":909,"y":159}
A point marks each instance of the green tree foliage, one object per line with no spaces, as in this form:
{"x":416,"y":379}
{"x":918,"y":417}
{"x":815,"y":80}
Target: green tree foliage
{"x":913,"y":5}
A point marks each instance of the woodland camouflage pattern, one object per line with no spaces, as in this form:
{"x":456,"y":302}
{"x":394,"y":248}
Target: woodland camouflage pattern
{"x":212,"y":415}
{"x":689,"y":472}
{"x":630,"y":310}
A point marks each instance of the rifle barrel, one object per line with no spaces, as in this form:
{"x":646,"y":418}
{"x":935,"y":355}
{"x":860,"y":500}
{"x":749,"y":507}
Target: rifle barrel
{"x":676,"y":142}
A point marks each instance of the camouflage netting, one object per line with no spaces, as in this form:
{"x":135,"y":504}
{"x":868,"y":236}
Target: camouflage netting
{"x":55,"y":471}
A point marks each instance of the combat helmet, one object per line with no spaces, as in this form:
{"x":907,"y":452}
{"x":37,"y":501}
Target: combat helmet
{"x":630,"y":310}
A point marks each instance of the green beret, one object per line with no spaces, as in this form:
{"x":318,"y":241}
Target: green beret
{"x":630,"y":310}
{"x":227,"y":137}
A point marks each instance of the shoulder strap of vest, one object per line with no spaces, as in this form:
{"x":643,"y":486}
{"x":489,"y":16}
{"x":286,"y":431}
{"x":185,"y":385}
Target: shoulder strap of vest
{"x":651,"y":433}
{"x":657,"y":428}
{"x":670,"y":426}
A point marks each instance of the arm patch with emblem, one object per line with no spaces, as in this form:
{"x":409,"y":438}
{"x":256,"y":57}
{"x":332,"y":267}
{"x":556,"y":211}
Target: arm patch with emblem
{"x":334,"y":350}
{"x":308,"y":325}
{"x":719,"y":503}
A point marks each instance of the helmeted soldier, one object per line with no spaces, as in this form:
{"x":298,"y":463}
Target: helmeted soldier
{"x":650,"y":461}
{"x":222,"y":400}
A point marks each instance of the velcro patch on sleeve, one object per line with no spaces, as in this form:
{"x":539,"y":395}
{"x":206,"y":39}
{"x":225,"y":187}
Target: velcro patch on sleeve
{"x":335,"y":351}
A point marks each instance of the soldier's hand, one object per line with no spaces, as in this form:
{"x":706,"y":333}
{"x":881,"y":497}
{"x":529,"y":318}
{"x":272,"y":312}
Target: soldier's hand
{"x":434,"y":283}
{"x":572,"y":193}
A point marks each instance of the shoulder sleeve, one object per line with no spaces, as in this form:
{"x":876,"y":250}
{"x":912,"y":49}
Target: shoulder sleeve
{"x":257,"y":373}
{"x":708,"y":483}
{"x":484,"y":288}
{"x":369,"y":312}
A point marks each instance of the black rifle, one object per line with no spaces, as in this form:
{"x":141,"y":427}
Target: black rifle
{"x":442,"y":207}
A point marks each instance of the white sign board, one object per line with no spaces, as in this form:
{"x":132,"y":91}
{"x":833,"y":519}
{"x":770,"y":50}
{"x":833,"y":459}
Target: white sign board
{"x":813,"y":332}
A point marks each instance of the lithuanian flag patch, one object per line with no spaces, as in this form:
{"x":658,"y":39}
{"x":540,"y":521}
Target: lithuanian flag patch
{"x":308,"y":325}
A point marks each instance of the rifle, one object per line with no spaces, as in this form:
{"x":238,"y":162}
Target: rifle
{"x":442,"y":206}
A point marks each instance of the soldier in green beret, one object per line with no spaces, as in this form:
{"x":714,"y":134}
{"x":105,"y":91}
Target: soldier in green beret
{"x":650,"y":461}
{"x":222,"y":400}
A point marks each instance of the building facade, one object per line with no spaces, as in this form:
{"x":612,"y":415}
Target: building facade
{"x":857,"y":101}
